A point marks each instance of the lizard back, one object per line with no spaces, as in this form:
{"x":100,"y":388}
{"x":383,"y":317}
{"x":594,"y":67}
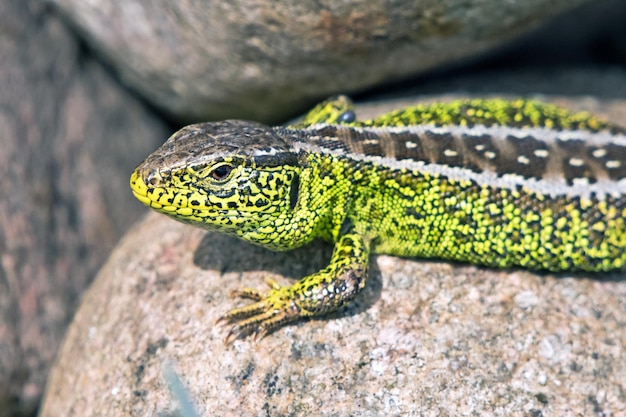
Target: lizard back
{"x":538,"y":197}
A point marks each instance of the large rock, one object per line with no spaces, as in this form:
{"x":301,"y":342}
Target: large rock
{"x":425,"y":338}
{"x":263,"y":60}
{"x":69,"y":135}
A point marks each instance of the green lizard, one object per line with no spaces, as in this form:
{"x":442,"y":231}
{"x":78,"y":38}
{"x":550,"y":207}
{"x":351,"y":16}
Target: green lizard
{"x":487,"y":181}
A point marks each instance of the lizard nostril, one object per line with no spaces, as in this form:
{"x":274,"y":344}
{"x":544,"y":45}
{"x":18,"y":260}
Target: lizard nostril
{"x":156,"y":177}
{"x":152,"y":178}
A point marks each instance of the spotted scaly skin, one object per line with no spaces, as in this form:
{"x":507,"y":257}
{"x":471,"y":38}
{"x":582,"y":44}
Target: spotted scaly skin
{"x":487,"y":181}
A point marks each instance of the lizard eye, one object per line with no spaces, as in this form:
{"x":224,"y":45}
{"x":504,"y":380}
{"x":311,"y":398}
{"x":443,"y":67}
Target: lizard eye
{"x":221,"y":172}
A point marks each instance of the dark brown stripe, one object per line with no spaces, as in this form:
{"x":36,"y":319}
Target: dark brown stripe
{"x":525,"y":156}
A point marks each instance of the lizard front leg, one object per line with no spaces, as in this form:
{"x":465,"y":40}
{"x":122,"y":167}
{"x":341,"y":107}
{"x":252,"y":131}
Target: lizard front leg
{"x":320,"y":293}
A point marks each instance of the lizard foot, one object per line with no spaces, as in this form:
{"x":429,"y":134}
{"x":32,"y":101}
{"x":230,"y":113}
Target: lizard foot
{"x":271,"y":310}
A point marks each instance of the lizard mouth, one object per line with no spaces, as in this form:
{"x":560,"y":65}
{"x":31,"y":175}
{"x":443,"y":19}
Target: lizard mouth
{"x":143,"y":198}
{"x":150,"y":195}
{"x":139,"y":187}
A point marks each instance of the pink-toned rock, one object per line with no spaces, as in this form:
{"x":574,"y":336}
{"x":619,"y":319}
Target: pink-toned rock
{"x":69,"y":134}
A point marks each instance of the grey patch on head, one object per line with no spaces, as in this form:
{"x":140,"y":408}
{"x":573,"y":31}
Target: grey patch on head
{"x":202,"y":142}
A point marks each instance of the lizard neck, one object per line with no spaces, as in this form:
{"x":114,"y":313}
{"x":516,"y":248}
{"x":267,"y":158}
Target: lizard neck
{"x":327,"y":186}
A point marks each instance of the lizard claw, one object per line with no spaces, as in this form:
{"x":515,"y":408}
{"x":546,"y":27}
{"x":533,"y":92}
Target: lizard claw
{"x":271,"y":310}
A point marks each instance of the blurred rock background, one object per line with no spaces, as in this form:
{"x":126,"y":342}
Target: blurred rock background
{"x":90,"y":88}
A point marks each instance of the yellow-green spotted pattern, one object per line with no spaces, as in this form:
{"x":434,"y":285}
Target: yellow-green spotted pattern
{"x":491,"y":182}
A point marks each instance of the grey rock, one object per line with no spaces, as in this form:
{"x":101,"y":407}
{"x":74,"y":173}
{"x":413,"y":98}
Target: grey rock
{"x":264,"y":60}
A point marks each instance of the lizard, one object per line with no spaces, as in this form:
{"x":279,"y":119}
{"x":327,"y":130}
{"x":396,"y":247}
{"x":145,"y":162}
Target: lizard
{"x":492,"y":182}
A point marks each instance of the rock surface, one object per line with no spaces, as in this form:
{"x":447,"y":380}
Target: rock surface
{"x":425,"y":338}
{"x":202,"y":60}
{"x":69,"y":135}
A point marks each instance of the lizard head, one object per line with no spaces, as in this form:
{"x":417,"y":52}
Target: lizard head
{"x":234,"y":176}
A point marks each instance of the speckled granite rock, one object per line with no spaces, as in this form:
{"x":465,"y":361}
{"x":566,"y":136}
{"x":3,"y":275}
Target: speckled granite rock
{"x":425,"y":338}
{"x":69,"y":135}
{"x":205,"y":59}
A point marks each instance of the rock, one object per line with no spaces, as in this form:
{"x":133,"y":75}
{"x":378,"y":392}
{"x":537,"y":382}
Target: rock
{"x":424,"y":338}
{"x":202,"y":60}
{"x":69,"y":136}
